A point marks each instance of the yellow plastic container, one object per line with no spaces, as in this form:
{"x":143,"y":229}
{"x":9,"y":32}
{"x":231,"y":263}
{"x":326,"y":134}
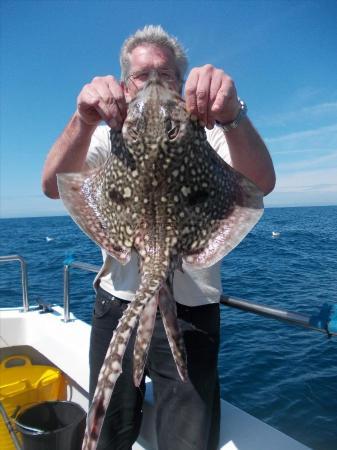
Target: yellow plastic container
{"x":24,"y":385}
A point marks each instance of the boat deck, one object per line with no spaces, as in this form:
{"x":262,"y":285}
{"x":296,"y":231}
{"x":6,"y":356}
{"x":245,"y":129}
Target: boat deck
{"x":46,"y":337}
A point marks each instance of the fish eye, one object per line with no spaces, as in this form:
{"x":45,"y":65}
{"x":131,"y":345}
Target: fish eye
{"x":172,"y":129}
{"x":133,"y":133}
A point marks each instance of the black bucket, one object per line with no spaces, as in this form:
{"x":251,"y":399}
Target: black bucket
{"x":52,"y":426}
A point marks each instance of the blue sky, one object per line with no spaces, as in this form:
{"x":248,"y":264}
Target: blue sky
{"x":281,"y":54}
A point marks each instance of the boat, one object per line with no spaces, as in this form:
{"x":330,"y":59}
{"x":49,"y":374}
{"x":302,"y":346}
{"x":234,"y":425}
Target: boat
{"x":52,"y":335}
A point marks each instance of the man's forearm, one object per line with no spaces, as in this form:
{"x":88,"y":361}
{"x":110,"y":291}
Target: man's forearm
{"x":67,"y":154}
{"x":250,"y":156}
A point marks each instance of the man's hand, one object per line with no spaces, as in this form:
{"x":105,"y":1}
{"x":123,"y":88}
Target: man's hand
{"x":102,"y":99}
{"x":211,"y":95}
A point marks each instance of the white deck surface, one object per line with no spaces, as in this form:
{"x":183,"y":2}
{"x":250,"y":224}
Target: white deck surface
{"x":66,"y":346}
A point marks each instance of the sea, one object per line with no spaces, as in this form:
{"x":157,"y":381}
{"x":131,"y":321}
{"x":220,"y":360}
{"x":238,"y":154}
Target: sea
{"x":285,"y":375}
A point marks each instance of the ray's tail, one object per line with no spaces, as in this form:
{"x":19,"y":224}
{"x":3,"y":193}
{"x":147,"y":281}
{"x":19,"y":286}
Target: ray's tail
{"x":167,"y":305}
{"x":143,"y":338}
{"x":168,"y":310}
{"x":150,"y":284}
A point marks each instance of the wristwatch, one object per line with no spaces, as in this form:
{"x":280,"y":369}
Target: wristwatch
{"x":234,"y":124}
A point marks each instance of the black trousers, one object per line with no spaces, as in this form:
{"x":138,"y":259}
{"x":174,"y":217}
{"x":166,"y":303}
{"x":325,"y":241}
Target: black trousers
{"x":187,"y":413}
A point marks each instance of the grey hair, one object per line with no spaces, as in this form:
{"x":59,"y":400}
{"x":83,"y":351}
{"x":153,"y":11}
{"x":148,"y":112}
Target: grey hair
{"x":153,"y":35}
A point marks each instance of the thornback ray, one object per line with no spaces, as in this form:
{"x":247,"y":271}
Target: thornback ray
{"x":166,"y":194}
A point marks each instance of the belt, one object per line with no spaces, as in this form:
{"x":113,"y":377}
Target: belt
{"x":111,"y":297}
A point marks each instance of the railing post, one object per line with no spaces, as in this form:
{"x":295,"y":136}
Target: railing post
{"x":66,"y":273}
{"x":66,"y":308}
{"x":24,"y":277}
{"x":24,"y":282}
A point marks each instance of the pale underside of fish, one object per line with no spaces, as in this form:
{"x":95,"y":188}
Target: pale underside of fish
{"x":166,"y":194}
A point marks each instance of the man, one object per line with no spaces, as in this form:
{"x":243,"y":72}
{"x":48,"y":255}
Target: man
{"x":187,"y":414}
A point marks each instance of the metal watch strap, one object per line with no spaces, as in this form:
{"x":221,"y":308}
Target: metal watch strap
{"x":234,"y":124}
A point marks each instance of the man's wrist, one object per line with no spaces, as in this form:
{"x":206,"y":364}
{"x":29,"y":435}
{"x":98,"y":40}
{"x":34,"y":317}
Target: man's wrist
{"x":234,"y":123}
{"x":83,"y":126}
{"x":78,"y":131}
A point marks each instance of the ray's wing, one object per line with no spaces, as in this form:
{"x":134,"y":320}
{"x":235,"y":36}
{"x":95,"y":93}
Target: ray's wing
{"x":221,"y":206}
{"x":100,"y":202}
{"x":230,"y":229}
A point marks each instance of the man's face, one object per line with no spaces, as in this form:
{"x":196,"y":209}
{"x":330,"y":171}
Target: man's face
{"x":143,"y":60}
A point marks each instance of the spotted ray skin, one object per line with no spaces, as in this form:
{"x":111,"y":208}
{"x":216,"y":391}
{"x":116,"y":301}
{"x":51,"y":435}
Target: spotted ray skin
{"x":164,"y":299}
{"x":143,"y":338}
{"x":168,"y":311}
{"x":165,"y":193}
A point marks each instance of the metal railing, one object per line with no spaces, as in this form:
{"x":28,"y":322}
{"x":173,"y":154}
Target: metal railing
{"x":24,"y":277}
{"x":324,"y":321}
{"x":66,"y":270}
{"x":318,"y":322}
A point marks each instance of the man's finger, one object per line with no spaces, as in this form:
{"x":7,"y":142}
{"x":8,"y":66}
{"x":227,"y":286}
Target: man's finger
{"x":87,"y":103}
{"x":110,"y":114}
{"x":226,"y":105}
{"x":219,"y":102}
{"x":119,"y":97}
{"x":101,"y":86}
{"x":190,"y":92}
{"x":111,"y":105}
{"x":106,"y":108}
{"x":202,"y":94}
{"x":215,"y":86}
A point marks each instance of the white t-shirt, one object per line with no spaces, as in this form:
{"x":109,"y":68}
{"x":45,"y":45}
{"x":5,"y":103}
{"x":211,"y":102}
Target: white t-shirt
{"x":192,"y":287}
